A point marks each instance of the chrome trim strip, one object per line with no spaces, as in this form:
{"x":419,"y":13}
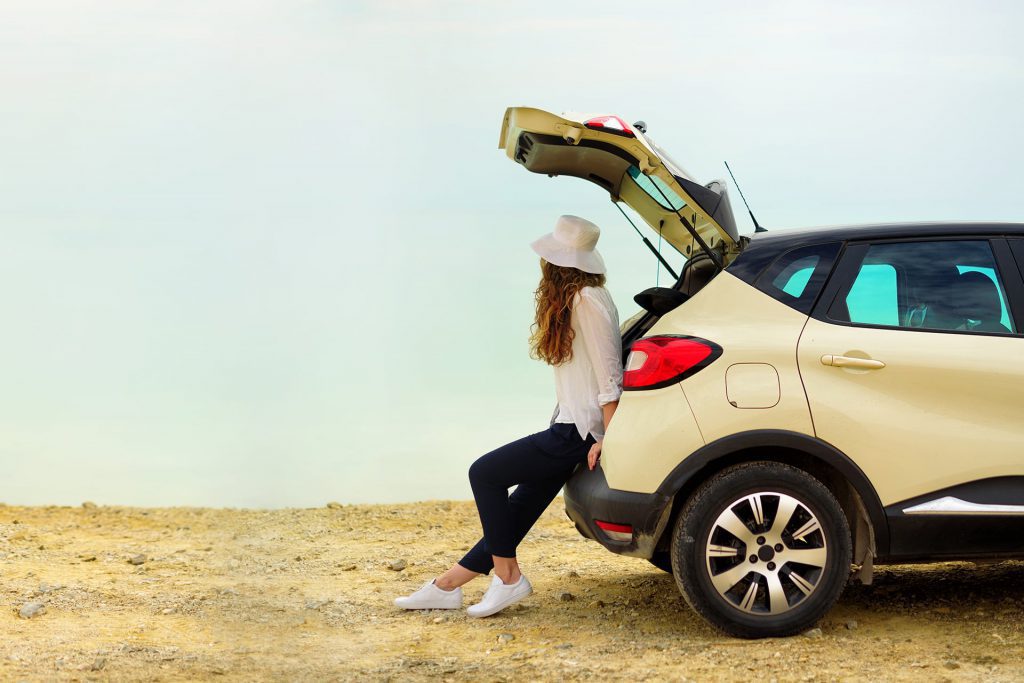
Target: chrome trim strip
{"x":950,"y":505}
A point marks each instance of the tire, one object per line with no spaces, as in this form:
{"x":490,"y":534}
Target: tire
{"x":761,"y":549}
{"x":662,"y":559}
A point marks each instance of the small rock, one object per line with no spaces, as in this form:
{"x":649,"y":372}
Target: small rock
{"x":315,"y":604}
{"x":566,"y":596}
{"x":851,"y":625}
{"x":438,"y":620}
{"x":348,"y":568}
{"x":45,"y":588}
{"x":505,"y":637}
{"x":397,"y":565}
{"x":137,"y":559}
{"x":813,"y":633}
{"x":98,"y":664}
{"x":951,"y":664}
{"x":597,"y":603}
{"x":168,"y":610}
{"x":88,"y":558}
{"x":573,"y":574}
{"x":31,"y":609}
{"x":563,"y":646}
{"x":334,"y":505}
{"x":88,"y":505}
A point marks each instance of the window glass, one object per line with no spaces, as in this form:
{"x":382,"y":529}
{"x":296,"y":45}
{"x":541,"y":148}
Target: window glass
{"x":990,"y":273}
{"x":872,"y":298}
{"x":943,"y":285}
{"x":656,"y":188}
{"x":796,"y":277}
{"x":793,"y":280}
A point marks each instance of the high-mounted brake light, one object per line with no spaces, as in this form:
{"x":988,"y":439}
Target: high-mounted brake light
{"x":610,"y":124}
{"x":616,"y":532}
{"x":657,"y":362}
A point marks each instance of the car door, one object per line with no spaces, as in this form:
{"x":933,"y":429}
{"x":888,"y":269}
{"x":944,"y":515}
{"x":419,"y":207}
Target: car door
{"x":912,"y":366}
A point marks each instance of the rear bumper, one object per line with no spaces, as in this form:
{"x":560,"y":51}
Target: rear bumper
{"x":588,"y":499}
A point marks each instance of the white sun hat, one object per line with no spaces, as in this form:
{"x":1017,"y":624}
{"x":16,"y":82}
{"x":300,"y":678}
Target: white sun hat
{"x":572,"y":244}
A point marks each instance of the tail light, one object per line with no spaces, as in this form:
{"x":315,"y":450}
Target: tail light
{"x":610,"y":124}
{"x":616,"y":532}
{"x":657,"y":362}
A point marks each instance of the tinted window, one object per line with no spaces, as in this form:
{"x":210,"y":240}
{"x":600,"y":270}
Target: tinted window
{"x":796,"y":277}
{"x":947,"y":285}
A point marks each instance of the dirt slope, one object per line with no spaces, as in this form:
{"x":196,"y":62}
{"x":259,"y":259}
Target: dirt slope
{"x":306,"y":594}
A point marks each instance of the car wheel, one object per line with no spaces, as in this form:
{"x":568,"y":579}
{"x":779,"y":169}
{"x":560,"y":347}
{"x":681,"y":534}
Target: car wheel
{"x":761,"y":549}
{"x":662,"y":559}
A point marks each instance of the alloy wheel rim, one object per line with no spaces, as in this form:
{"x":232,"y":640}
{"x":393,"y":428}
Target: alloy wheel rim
{"x":766,"y":553}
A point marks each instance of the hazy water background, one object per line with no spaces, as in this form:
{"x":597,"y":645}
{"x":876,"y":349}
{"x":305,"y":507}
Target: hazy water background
{"x":268,"y":254}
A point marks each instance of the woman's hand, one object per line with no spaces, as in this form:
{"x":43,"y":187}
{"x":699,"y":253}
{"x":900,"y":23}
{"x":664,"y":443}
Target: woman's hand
{"x":594,"y":455}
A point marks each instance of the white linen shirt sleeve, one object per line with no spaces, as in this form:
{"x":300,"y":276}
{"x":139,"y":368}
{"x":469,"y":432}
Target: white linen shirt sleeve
{"x":603,"y":343}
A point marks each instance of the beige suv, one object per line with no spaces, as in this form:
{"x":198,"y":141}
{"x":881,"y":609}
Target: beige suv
{"x":798,"y":403}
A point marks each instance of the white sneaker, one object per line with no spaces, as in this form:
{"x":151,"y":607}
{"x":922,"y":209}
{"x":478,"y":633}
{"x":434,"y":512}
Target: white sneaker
{"x":499,"y":596}
{"x":431,"y":597}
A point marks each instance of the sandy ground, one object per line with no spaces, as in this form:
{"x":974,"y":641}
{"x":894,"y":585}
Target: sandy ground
{"x":306,"y":595}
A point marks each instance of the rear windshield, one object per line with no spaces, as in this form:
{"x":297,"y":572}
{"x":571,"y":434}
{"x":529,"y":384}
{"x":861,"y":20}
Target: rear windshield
{"x":656,"y":189}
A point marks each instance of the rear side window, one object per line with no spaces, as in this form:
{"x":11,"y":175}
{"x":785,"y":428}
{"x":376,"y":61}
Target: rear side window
{"x":943,"y":285}
{"x":796,"y":277}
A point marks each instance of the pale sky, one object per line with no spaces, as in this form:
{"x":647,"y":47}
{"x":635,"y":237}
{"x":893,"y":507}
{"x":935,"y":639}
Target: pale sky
{"x":268,"y":254}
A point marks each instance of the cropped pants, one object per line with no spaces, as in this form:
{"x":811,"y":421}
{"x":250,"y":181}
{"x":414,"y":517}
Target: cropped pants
{"x":538,"y":465}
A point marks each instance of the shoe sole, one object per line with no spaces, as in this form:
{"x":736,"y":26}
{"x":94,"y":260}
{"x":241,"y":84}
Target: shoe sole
{"x":428,"y":607}
{"x":507,"y":603}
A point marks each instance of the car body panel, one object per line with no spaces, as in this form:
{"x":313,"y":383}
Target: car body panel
{"x":751,"y":327}
{"x":651,"y":432}
{"x":563,"y":145}
{"x":945,"y":409}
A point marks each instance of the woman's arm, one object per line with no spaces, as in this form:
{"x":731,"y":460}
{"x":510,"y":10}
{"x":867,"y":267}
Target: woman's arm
{"x":604,"y":348}
{"x":607,"y":410}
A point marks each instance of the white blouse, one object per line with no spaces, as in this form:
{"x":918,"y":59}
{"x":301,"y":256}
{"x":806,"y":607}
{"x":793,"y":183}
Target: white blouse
{"x":593,"y":377}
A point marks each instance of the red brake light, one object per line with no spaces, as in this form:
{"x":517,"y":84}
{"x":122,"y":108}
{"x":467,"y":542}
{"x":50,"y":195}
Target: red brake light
{"x":610,"y":124}
{"x":657,"y":362}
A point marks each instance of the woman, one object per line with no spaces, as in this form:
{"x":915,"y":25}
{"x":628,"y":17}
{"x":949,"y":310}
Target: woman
{"x":577,"y":332}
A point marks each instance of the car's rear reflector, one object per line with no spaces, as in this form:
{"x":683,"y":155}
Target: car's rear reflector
{"x":610,"y":124}
{"x":656,"y":362}
{"x":616,"y":532}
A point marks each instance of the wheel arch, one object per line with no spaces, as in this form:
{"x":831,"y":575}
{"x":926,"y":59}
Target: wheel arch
{"x":820,"y":459}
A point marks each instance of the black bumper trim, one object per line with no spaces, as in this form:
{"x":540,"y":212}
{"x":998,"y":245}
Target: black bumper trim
{"x":588,"y":498}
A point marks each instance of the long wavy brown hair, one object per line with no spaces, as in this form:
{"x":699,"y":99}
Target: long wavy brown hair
{"x":551,"y":334}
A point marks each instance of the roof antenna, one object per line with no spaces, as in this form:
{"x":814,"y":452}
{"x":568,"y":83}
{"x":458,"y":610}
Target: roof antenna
{"x":757,"y":226}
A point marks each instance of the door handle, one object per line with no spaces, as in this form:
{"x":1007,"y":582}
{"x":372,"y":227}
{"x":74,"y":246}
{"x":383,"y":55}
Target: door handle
{"x":850,"y":362}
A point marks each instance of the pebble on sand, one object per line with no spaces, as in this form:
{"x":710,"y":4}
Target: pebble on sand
{"x":397,"y":565}
{"x":566,"y":596}
{"x":31,"y":609}
{"x":851,"y":625}
{"x":88,"y":505}
{"x":505,"y":637}
{"x":137,"y":559}
{"x":334,"y":505}
{"x":813,"y":633}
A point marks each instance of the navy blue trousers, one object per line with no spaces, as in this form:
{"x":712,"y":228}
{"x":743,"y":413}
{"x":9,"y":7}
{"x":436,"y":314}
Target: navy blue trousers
{"x":538,"y":466}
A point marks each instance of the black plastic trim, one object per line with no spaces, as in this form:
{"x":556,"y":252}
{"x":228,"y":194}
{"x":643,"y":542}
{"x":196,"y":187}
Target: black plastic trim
{"x":716,"y":353}
{"x":932,"y":537}
{"x":803,"y":443}
{"x":588,"y":498}
{"x":1012,"y":278}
